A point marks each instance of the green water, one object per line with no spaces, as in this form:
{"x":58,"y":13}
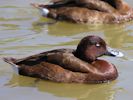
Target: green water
{"x":21,"y":36}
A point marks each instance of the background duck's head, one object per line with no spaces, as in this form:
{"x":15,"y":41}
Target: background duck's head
{"x":91,"y":47}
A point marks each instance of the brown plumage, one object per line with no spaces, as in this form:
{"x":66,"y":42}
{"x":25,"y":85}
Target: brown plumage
{"x":88,"y":11}
{"x":69,"y":65}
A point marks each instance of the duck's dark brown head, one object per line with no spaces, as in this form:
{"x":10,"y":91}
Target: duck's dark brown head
{"x":91,"y":47}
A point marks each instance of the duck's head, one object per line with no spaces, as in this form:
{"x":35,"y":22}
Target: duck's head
{"x":91,"y":47}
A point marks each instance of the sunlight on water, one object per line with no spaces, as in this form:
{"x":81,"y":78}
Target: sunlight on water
{"x":22,"y":34}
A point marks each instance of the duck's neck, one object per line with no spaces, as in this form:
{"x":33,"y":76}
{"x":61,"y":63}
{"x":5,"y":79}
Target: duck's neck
{"x":82,"y":56}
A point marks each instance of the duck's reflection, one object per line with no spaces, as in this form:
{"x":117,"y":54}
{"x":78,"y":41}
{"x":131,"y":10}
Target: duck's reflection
{"x":77,"y":91}
{"x":116,"y":35}
{"x":119,"y":35}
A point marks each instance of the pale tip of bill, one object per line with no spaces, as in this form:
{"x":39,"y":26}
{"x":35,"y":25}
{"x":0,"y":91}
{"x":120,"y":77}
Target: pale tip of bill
{"x":115,"y":53}
{"x":118,"y":53}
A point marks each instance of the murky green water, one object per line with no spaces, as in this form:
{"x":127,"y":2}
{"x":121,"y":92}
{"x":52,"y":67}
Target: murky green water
{"x":20,"y":36}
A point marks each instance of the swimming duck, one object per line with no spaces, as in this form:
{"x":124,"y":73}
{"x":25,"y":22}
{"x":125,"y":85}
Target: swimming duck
{"x":87,"y":11}
{"x":69,"y":65}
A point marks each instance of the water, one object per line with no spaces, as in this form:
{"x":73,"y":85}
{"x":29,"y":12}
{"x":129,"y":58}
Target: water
{"x":21,"y":36}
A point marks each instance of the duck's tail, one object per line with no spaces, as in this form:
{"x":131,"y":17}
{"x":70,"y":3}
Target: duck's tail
{"x":44,"y":12}
{"x":43,"y":8}
{"x":12,"y":61}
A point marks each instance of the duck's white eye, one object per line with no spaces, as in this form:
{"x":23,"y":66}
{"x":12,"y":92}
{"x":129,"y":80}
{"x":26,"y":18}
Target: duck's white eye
{"x":98,"y":45}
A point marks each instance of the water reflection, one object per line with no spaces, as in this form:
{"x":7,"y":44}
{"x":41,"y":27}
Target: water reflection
{"x":77,"y":91}
{"x":9,"y":26}
{"x":117,"y":35}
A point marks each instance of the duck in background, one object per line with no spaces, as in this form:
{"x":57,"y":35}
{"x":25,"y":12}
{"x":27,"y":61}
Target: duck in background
{"x":87,"y":11}
{"x":68,"y":65}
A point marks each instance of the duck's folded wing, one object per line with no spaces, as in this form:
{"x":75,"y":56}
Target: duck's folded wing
{"x":37,"y":58}
{"x":61,"y":57}
{"x":100,"y":5}
{"x":65,"y":60}
{"x":70,"y":62}
{"x":58,"y":1}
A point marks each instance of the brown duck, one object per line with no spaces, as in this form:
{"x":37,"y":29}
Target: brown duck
{"x":87,"y":11}
{"x":68,"y":65}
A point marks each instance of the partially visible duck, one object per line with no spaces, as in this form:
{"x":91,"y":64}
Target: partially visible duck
{"x":68,"y":65}
{"x":87,"y":11}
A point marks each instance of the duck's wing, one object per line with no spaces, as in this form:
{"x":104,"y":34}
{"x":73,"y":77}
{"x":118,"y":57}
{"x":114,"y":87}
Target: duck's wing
{"x":115,"y":3}
{"x":70,"y":62}
{"x":100,"y":5}
{"x":60,"y":1}
{"x":36,"y":59}
{"x":61,"y":57}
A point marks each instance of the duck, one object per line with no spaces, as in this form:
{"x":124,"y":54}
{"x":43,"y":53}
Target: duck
{"x":69,"y":65}
{"x":87,"y":11}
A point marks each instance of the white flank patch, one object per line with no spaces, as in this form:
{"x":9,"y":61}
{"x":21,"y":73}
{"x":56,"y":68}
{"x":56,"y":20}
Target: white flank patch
{"x":44,"y":11}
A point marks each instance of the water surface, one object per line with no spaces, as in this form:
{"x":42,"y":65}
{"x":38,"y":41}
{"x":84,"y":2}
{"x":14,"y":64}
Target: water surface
{"x":21,"y":36}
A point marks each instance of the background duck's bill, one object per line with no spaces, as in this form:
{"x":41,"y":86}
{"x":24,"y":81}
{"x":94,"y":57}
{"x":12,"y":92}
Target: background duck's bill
{"x":112,"y":52}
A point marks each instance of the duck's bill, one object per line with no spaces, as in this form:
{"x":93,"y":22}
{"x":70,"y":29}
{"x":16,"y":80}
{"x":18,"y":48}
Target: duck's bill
{"x":114,"y":53}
